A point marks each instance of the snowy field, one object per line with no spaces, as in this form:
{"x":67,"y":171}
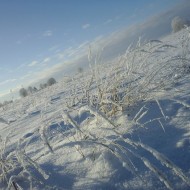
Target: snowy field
{"x":122,"y":125}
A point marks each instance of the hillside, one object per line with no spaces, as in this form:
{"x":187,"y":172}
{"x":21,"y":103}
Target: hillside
{"x":123,"y":125}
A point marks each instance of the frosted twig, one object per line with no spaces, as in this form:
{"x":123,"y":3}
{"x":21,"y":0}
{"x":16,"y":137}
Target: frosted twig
{"x":142,"y":115}
{"x":161,"y":109}
{"x":138,"y":113}
{"x":67,"y":118}
{"x":182,"y":103}
{"x":158,"y":173}
{"x":44,"y":137}
{"x":161,"y":125}
{"x":160,"y":157}
{"x":98,"y":114}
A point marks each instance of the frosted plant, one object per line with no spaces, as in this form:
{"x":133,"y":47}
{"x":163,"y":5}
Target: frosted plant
{"x":44,"y":138}
{"x":15,"y":166}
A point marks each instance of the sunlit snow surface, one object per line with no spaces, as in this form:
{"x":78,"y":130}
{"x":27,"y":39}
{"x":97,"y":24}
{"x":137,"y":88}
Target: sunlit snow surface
{"x":65,"y":137}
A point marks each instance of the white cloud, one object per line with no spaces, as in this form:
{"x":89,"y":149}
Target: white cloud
{"x":85,"y":26}
{"x":33,"y":63}
{"x":47,"y":33}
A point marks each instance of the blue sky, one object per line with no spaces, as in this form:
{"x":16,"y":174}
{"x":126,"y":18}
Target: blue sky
{"x":40,"y":35}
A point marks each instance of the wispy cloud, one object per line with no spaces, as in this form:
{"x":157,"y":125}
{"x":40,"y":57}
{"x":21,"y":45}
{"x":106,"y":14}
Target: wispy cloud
{"x":46,"y":60}
{"x":23,"y":39}
{"x":39,"y":63}
{"x":7,"y":81}
{"x":33,"y":64}
{"x":73,"y":52}
{"x":108,"y":21}
{"x":47,"y":33}
{"x":85,"y":26}
{"x":84,"y":44}
{"x":29,"y":74}
{"x":54,"y":48}
{"x":63,"y":54}
{"x":21,"y":66}
{"x":46,"y":73}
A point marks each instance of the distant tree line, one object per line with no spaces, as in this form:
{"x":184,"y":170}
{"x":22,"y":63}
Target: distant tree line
{"x":23,"y":92}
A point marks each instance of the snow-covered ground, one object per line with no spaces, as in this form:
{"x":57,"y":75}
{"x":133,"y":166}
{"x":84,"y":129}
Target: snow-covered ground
{"x":122,"y":125}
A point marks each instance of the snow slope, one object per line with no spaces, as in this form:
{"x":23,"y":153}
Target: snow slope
{"x":123,"y":125}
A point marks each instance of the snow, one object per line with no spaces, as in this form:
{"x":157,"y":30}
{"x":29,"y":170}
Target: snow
{"x":120,"y":125}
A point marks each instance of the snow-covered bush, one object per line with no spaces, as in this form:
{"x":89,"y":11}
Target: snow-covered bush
{"x":32,"y":90}
{"x":51,"y":81}
{"x":23,"y":92}
{"x":177,"y":24}
{"x":42,"y":86}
